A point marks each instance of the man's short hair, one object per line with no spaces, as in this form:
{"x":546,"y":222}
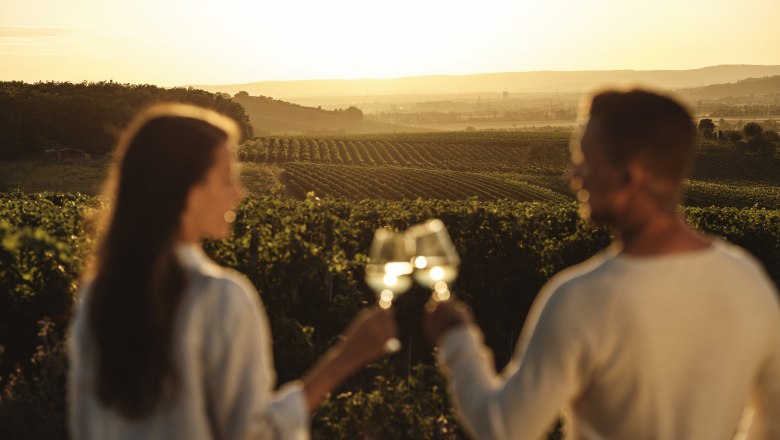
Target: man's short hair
{"x":638,"y":124}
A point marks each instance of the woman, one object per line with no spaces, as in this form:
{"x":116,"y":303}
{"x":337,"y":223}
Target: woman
{"x":165,"y":343}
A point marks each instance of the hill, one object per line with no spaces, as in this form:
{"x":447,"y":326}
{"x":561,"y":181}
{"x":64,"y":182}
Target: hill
{"x":513,"y":82}
{"x":268,"y":115}
{"x":87,"y":117}
{"x":769,"y":85}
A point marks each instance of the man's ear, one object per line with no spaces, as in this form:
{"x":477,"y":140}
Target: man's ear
{"x":633,"y":174}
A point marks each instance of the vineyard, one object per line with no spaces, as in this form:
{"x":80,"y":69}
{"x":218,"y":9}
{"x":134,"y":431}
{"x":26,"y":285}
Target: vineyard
{"x":529,"y":166}
{"x":537,"y":153}
{"x":737,"y":168}
{"x":307,"y":260}
{"x":740,"y":195}
{"x":518,"y":166}
{"x":397,"y":183}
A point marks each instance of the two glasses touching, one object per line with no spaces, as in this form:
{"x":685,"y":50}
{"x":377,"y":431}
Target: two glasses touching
{"x":424,"y":252}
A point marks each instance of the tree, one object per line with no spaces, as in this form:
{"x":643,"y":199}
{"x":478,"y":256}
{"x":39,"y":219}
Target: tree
{"x":761,"y":145}
{"x":707,"y":128}
{"x":733,"y":136}
{"x":752,"y":129}
{"x":88,"y":116}
{"x":771,"y":124}
{"x":772,"y":136}
{"x":353,"y":113}
{"x":768,"y":143}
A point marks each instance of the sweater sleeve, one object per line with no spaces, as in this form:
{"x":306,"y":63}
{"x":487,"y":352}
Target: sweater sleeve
{"x":544,"y":375}
{"x":766,"y":395}
{"x":240,"y":374}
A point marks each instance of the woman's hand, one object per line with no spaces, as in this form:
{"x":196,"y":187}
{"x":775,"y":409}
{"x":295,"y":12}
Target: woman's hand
{"x":364,"y":341}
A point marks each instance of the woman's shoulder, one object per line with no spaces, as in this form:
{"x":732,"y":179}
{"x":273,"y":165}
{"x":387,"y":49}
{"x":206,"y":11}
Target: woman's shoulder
{"x":223,"y":302}
{"x":223,"y":288}
{"x":205,"y":275}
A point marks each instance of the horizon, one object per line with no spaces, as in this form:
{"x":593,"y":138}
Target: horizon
{"x":482,"y":73}
{"x":235,"y":42}
{"x":394,"y":78}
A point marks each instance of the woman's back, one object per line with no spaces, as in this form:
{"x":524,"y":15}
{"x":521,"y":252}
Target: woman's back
{"x":222,"y":348}
{"x":166,"y":344}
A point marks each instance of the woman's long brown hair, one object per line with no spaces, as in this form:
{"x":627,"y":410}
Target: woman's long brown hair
{"x":138,"y":283}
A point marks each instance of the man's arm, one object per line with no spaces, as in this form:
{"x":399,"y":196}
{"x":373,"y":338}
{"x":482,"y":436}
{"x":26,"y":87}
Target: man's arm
{"x":766,"y":396}
{"x":544,"y":376}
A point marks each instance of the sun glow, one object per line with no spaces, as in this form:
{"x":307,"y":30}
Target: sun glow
{"x":231,"y":41}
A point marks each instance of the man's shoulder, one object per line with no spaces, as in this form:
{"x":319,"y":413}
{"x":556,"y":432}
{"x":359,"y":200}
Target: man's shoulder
{"x":736,"y":256}
{"x":738,"y":264}
{"x":605,"y":273}
{"x":582,"y":288}
{"x":594,"y":271}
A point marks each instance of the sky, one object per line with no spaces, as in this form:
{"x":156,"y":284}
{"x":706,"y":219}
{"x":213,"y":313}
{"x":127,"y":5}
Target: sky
{"x":177,"y":42}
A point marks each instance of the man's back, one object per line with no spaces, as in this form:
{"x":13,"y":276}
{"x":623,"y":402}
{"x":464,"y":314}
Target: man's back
{"x":682,"y":340}
{"x":662,"y":347}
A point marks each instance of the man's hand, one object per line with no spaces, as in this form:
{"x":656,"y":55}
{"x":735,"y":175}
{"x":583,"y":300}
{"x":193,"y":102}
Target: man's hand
{"x":441,"y":316}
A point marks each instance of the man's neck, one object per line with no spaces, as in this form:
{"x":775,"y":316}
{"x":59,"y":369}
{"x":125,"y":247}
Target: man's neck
{"x":660,"y":234}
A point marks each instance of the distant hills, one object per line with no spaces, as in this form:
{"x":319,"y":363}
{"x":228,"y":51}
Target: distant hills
{"x":268,"y":115}
{"x":527,"y":91}
{"x":750,"y":86}
{"x":512,"y":82}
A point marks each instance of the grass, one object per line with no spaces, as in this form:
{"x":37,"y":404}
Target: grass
{"x":70,"y":175}
{"x":88,"y":175}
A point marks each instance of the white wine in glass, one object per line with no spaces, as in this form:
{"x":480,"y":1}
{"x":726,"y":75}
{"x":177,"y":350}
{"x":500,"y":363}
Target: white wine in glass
{"x":435,"y":259}
{"x":388,"y":272}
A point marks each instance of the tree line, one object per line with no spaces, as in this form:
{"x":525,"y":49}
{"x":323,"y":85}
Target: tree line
{"x":753,"y":138}
{"x":88,"y":116}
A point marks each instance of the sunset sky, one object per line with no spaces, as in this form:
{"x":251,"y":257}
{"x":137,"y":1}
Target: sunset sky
{"x":180,"y":42}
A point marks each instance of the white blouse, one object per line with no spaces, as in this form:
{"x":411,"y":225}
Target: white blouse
{"x":223,"y":351}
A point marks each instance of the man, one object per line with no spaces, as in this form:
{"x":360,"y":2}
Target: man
{"x":668,"y":334}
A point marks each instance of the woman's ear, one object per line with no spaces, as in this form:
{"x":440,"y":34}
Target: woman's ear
{"x":192,"y":200}
{"x":187,"y":218}
{"x":191,"y":204}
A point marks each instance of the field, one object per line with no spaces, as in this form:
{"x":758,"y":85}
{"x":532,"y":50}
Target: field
{"x":518,"y":166}
{"x":518,"y":125}
{"x":70,"y":175}
{"x":537,"y":152}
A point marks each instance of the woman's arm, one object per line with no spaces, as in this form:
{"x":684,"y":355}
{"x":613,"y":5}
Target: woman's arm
{"x":240,"y":370}
{"x":363,"y":342}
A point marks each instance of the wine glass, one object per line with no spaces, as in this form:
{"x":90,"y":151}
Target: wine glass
{"x":435,"y":259}
{"x":388,"y":272}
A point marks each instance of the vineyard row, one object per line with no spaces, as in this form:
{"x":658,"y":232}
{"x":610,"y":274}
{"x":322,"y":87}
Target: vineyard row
{"x":397,"y":183}
{"x":541,"y":156}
